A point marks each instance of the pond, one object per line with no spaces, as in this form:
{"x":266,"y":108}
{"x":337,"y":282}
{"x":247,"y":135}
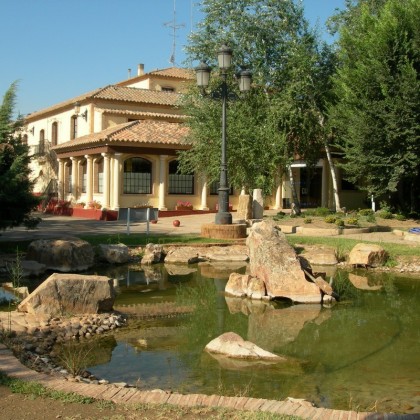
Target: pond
{"x":362,"y":353}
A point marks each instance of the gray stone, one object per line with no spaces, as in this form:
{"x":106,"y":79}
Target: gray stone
{"x":225,"y":253}
{"x":244,"y":211}
{"x":183,"y":255}
{"x":275,"y":262}
{"x":68,"y":294}
{"x":113,"y":254}
{"x":62,"y":255}
{"x":367,"y":255}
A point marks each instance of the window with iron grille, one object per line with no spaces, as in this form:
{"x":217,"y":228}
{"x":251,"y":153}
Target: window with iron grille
{"x":137,"y":176}
{"x":214,"y":188}
{"x":179,"y":183}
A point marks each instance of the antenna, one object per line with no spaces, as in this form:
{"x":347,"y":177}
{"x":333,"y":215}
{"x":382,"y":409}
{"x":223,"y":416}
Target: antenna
{"x":174,"y":27}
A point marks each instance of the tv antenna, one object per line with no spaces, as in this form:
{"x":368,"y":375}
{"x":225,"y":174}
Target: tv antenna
{"x":174,"y":26}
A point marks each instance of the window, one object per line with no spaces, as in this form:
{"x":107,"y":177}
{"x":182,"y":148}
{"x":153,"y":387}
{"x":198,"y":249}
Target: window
{"x":73,"y":128}
{"x":83,"y":176}
{"x":41,"y":141}
{"x":214,"y":188}
{"x":179,"y":184}
{"x":137,"y":176}
{"x":54,"y":133}
{"x":68,"y":172}
{"x":168,"y":89}
{"x":25,"y":139}
{"x":99,"y":179}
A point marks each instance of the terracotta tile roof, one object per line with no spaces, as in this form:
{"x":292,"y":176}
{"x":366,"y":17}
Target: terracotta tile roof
{"x":131,"y":94}
{"x":142,"y":114}
{"x":176,"y":72}
{"x":144,"y":132}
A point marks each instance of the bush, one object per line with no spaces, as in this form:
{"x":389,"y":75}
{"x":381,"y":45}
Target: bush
{"x":354,"y":221}
{"x":330,"y":219}
{"x":307,"y":220}
{"x":319,"y":211}
{"x":385,"y":214}
{"x":400,"y":217}
{"x":339,"y":222}
{"x":366,"y":212}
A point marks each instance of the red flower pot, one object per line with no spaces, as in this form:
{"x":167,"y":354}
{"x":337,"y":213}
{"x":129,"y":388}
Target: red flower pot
{"x":176,"y":223}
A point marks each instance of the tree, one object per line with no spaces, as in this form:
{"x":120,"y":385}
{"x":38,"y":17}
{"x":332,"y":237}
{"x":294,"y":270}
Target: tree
{"x":16,"y":198}
{"x":377,"y":117}
{"x":276,"y":120}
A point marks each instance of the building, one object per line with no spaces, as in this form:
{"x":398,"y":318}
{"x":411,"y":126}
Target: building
{"x":116,"y":146}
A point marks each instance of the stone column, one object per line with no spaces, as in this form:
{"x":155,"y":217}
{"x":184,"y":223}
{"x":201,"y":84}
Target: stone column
{"x":106,"y":203}
{"x":279,"y":193}
{"x":204,"y":189}
{"x":74,"y":179}
{"x":324,"y":188}
{"x":117,"y":181}
{"x":257,"y":204}
{"x":60,"y":181}
{"x":162,"y":183}
{"x":89,"y":178}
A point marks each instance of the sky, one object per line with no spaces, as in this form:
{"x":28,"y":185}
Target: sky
{"x":59,"y":49}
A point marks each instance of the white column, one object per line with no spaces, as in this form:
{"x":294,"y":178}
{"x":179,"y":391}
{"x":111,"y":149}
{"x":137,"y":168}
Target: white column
{"x":162,"y":184}
{"x":106,"y":180}
{"x":74,"y":179}
{"x":324,"y":183}
{"x":204,"y":189}
{"x":117,"y":182}
{"x":279,"y":193}
{"x":89,"y":178}
{"x":60,"y":180}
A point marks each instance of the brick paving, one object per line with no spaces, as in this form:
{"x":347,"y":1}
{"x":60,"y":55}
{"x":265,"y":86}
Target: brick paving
{"x":13,"y":368}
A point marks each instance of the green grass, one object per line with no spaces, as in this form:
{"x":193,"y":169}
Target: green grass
{"x":346,"y":245}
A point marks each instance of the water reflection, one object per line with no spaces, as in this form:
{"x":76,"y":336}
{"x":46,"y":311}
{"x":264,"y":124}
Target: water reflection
{"x":360,"y":352}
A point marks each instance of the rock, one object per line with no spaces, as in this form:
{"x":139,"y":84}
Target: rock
{"x":324,"y":286}
{"x":320,"y":256}
{"x":179,"y":270}
{"x":221,"y":270}
{"x":183,"y":255}
{"x":244,"y":211}
{"x":361,"y":282}
{"x":225,"y":253}
{"x":367,"y":255}
{"x":153,"y":253}
{"x":113,"y":254}
{"x":245,"y":285}
{"x":275,"y":262}
{"x":257,"y":204}
{"x":62,"y":255}
{"x":66,"y":294}
{"x":232,"y":345}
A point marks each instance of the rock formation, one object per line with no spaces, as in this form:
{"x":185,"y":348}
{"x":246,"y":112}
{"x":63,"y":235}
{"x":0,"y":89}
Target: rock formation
{"x":368,"y":255}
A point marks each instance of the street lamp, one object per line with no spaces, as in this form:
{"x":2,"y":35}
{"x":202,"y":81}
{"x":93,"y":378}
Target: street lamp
{"x":224,"y":58}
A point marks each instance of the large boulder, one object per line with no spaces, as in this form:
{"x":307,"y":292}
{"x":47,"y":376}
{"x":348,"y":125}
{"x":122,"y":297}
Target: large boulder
{"x":70,"y":294}
{"x":368,"y":255}
{"x":153,"y":254}
{"x":225,"y":253}
{"x":183,"y":255}
{"x":244,"y":211}
{"x":232,"y":345}
{"x":275,"y":262}
{"x":113,"y":253}
{"x":62,"y":255}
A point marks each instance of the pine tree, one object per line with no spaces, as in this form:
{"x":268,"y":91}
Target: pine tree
{"x":16,"y":198}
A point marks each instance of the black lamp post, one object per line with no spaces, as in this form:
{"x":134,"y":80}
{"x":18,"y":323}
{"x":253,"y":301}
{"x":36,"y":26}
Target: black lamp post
{"x":224,"y":57}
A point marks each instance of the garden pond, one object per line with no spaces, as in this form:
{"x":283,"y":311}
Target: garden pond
{"x":362,"y":353}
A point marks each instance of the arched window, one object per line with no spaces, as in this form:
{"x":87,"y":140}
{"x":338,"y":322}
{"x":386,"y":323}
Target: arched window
{"x":137,"y":176}
{"x":54,"y":133}
{"x":179,"y":184}
{"x":73,"y":128}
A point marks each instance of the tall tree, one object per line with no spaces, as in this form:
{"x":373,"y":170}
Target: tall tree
{"x":16,"y":198}
{"x":377,"y":116}
{"x":270,"y":125}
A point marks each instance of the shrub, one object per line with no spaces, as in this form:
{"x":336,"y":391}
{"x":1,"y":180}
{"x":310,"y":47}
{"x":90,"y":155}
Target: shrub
{"x":339,"y":222}
{"x":366,"y":212}
{"x":330,"y":219}
{"x":307,"y":220}
{"x":319,"y":211}
{"x":400,"y":217}
{"x":385,"y":214}
{"x":353,"y":221}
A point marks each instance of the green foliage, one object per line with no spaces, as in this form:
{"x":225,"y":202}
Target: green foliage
{"x":377,"y":117}
{"x":400,"y":217}
{"x":307,"y":220}
{"x":385,"y":214}
{"x":319,"y":211}
{"x":354,"y":221}
{"x":330,"y":219}
{"x":365,"y":212}
{"x":339,"y":222}
{"x":16,"y":198}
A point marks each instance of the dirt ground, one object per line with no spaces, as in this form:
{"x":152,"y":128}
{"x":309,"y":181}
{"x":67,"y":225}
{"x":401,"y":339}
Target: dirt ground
{"x":21,"y":407}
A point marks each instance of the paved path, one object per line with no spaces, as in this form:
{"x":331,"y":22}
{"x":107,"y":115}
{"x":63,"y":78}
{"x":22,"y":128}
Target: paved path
{"x":13,"y":368}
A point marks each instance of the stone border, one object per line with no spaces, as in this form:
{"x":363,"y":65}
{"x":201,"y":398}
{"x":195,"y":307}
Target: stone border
{"x":122,"y":395}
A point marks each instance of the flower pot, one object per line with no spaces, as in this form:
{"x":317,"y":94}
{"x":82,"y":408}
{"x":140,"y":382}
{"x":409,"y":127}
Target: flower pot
{"x":176,"y":223}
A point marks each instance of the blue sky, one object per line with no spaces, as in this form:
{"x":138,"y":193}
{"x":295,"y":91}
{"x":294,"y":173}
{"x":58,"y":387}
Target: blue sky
{"x":58,"y":49}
